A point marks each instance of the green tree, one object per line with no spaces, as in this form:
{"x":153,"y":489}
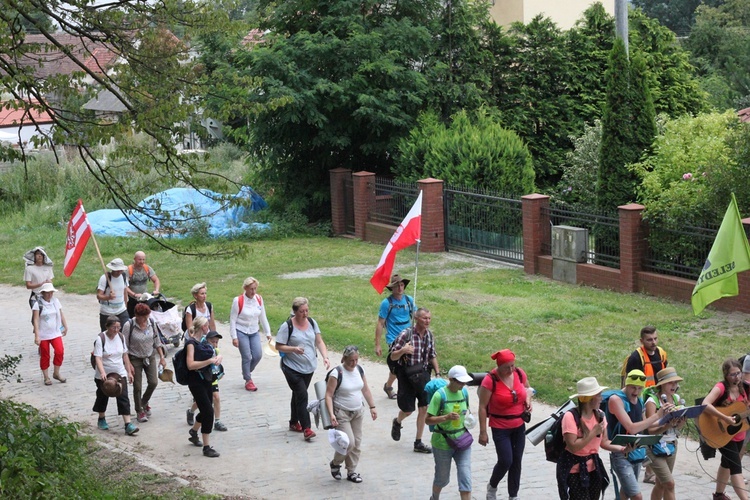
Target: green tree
{"x":474,"y":150}
{"x":677,"y":15}
{"x":581,"y":168}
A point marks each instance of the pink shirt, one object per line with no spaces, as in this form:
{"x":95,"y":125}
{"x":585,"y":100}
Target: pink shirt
{"x":502,"y":401}
{"x":740,"y":436}
{"x":569,"y":427}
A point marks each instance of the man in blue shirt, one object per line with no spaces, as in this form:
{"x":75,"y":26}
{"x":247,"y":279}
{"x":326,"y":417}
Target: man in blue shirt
{"x":395,"y":315}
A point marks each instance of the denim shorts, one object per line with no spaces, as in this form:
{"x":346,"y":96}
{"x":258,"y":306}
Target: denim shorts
{"x":443,"y":467}
{"x":627,"y":474}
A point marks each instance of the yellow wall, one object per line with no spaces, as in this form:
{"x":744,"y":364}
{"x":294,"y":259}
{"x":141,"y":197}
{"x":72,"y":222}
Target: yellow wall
{"x":563,"y":12}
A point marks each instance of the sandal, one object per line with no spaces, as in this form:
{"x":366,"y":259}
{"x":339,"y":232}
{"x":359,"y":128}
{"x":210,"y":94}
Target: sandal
{"x":649,"y":478}
{"x":47,"y":381}
{"x":60,"y":379}
{"x":389,"y":391}
{"x":336,"y":471}
{"x":354,"y":477}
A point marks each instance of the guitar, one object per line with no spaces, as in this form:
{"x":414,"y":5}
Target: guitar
{"x":716,"y":433}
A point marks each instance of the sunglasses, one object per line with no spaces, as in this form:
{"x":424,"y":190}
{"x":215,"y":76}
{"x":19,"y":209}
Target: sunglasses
{"x":515,"y":396}
{"x":637,"y":377}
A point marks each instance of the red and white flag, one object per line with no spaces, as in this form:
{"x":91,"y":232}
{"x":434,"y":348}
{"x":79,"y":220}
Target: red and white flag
{"x":408,"y":232}
{"x":79,"y":233}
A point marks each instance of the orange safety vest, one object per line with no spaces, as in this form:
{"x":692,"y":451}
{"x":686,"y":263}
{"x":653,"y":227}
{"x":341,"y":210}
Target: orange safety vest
{"x":648,"y":365}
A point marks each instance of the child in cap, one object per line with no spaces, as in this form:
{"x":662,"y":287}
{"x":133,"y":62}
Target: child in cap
{"x":212,"y":338}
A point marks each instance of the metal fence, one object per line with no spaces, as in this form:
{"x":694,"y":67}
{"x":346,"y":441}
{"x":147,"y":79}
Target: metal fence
{"x":604,"y":232}
{"x":484,"y":223}
{"x":678,"y":252}
{"x":393,"y":199}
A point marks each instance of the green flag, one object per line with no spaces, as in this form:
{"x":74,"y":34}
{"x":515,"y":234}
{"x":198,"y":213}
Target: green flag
{"x":729,"y":255}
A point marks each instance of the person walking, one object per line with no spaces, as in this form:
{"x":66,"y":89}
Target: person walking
{"x":49,"y":329}
{"x":112,"y":292}
{"x":505,"y":399}
{"x":142,"y":338}
{"x":297,"y":340}
{"x":414,"y":349}
{"x":447,"y":411}
{"x":246,"y":318}
{"x":199,"y":307}
{"x":346,"y":394}
{"x":37,"y":271}
{"x":139,"y":274}
{"x":395,"y":314}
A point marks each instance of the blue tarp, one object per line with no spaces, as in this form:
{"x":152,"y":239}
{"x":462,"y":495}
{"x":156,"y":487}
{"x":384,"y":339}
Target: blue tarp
{"x":172,"y":208}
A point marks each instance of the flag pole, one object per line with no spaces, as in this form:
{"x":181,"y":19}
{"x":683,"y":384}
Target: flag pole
{"x":96,"y":245}
{"x":416,"y":271}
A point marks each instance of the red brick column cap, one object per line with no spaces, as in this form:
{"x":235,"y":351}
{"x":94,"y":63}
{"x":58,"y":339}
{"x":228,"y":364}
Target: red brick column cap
{"x":535,"y":196}
{"x":631,"y":206}
{"x":430,"y":180}
{"x":364,"y":173}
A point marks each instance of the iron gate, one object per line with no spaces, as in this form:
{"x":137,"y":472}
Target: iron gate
{"x":484,"y":223}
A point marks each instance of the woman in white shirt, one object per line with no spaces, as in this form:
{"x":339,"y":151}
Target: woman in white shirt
{"x":247,"y":316}
{"x":49,"y":329}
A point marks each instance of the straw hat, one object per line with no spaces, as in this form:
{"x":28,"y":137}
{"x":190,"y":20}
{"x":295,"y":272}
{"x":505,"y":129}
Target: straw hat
{"x":395,"y":280}
{"x":113,"y":385}
{"x":269,"y":349}
{"x":587,"y":387}
{"x":166,"y":375}
{"x":667,"y":375}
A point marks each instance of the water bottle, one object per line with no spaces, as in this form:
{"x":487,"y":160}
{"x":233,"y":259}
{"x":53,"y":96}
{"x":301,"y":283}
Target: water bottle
{"x":456,"y":423}
{"x":532,"y":391}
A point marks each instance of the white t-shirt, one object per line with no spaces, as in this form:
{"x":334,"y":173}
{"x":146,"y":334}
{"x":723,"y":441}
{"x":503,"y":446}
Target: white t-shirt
{"x":111,"y":355}
{"x":118,"y":305}
{"x":38,"y":274}
{"x":349,"y":394}
{"x":50,"y":319}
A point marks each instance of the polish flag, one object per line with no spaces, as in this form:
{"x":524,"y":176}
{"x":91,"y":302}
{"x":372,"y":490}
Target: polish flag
{"x":408,"y":233}
{"x":79,"y":233}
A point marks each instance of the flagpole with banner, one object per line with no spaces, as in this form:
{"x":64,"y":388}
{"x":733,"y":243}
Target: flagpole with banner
{"x":729,"y":256}
{"x":416,"y":271}
{"x":79,"y":233}
{"x":408,"y":233}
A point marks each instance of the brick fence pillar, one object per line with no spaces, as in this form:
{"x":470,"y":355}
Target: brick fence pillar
{"x":433,"y":215}
{"x":364,"y":201}
{"x":743,"y":279}
{"x":338,"y":178}
{"x":535,"y":208}
{"x":632,"y":245}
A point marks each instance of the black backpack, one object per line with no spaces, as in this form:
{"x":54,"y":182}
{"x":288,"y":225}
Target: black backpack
{"x":340,"y":375}
{"x":101,"y":336}
{"x":290,"y":328}
{"x":193,"y":312}
{"x":554,"y":442}
{"x":179,"y":362}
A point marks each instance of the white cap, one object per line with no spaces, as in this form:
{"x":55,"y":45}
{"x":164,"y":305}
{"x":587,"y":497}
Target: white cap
{"x":459,"y":373}
{"x":339,"y":441}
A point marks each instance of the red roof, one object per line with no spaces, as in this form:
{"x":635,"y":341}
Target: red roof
{"x":22,"y":117}
{"x":95,"y":56}
{"x":744,"y":115}
{"x":253,"y":38}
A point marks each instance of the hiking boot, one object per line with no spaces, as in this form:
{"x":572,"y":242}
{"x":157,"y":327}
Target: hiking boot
{"x":420,"y":447}
{"x":147,"y":408}
{"x":491,"y":492}
{"x":295,"y":427}
{"x":190,"y":417}
{"x":194,"y":438}
{"x":250,"y":386}
{"x":396,"y":430}
{"x":210,"y":452}
{"x":131,"y":429}
{"x":218,"y":426}
{"x":309,"y":434}
{"x":102,"y":424}
{"x":141,"y":416}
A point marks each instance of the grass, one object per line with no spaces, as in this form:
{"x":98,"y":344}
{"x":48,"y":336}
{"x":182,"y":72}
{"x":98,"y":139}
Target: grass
{"x":559,"y":332}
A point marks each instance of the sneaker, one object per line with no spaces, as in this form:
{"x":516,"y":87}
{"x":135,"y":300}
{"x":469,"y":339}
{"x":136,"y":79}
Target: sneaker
{"x":147,"y":407}
{"x":491,"y":492}
{"x":420,"y":447}
{"x":295,"y":427}
{"x":250,"y":386}
{"x":194,"y":438}
{"x":721,"y":496}
{"x":102,"y":424}
{"x":396,"y":430}
{"x":309,"y":434}
{"x":131,"y":429}
{"x":141,"y":416}
{"x":218,"y":426}
{"x":190,"y":417}
{"x":210,"y":452}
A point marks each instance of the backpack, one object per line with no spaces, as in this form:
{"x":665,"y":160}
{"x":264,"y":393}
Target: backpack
{"x":444,"y":400}
{"x":109,"y":280}
{"x":554,"y":441}
{"x":193,"y":311}
{"x":39,"y":303}
{"x":493,"y":375}
{"x":623,"y":370}
{"x":340,"y":375}
{"x":290,"y":328}
{"x":101,"y":336}
{"x":179,"y":362}
{"x":392,"y":304}
{"x":131,"y":271}
{"x":614,"y":426}
{"x":241,"y":302}
{"x":153,"y":323}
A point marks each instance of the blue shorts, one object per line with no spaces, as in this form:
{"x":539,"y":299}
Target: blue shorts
{"x":443,"y":467}
{"x":627,"y":473}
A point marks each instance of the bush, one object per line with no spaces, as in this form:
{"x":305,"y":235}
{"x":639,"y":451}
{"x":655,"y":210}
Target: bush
{"x":473,"y":151}
{"x":581,"y":168}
